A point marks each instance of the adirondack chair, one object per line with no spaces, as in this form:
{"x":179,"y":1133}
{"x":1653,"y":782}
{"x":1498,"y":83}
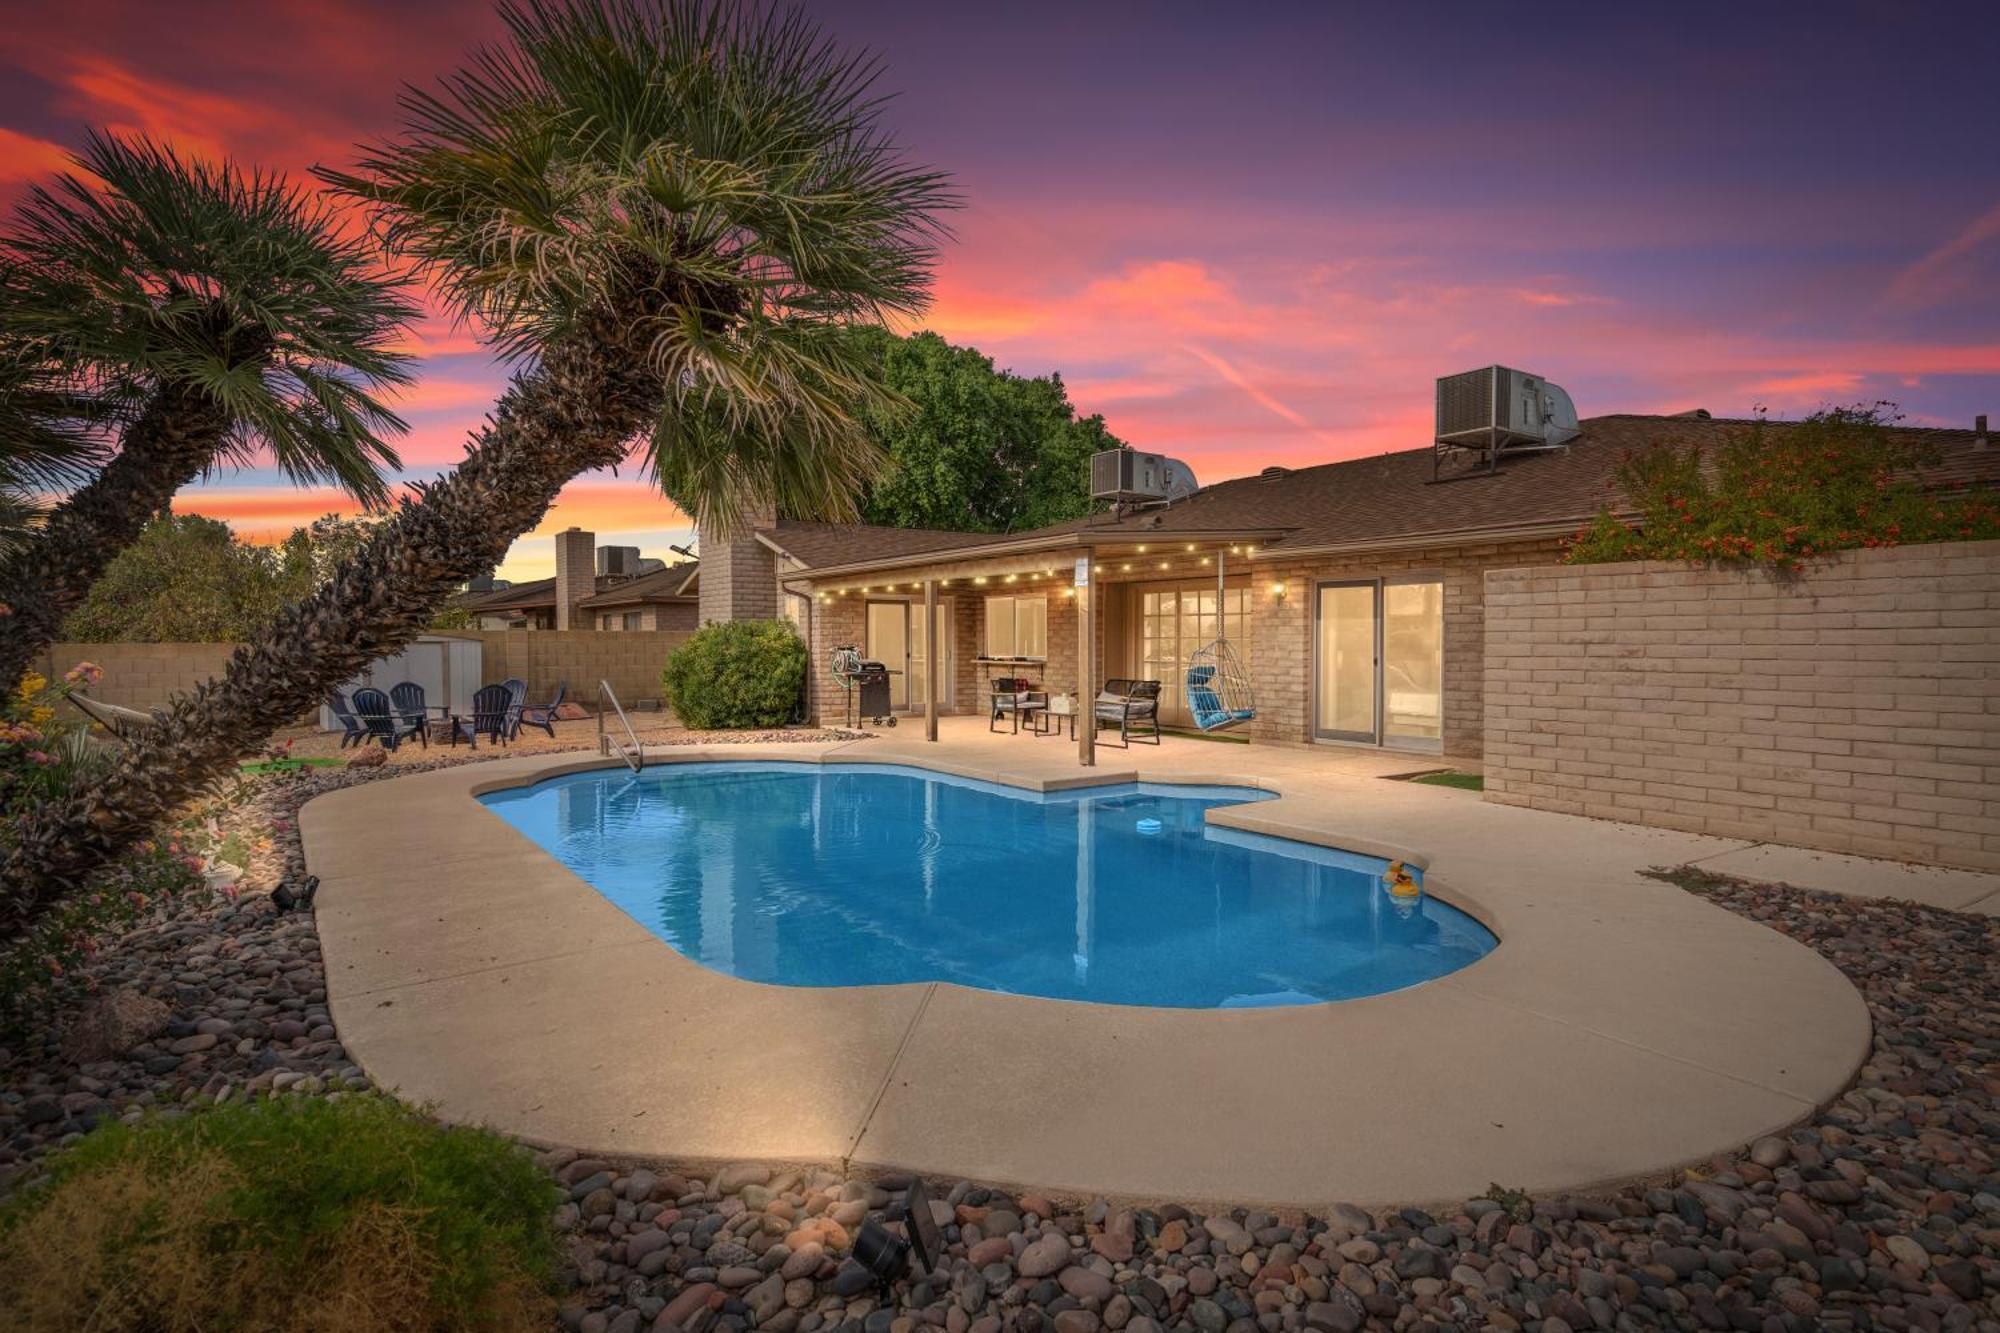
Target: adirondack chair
{"x":413,"y":717}
{"x":492,"y":715}
{"x":351,"y":730}
{"x":517,"y":695}
{"x":378,"y":718}
{"x":542,"y":715}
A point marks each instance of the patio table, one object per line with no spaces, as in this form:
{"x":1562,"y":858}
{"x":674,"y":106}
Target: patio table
{"x":1052,"y":714}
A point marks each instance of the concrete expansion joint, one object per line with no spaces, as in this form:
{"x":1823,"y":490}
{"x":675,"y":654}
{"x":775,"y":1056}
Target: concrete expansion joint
{"x":888,"y":1076}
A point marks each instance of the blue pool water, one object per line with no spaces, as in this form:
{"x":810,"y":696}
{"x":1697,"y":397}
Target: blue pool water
{"x":843,"y":875}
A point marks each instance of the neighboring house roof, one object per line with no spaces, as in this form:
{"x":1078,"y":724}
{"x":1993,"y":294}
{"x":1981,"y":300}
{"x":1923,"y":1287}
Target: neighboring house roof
{"x":533,"y":595}
{"x":1383,"y":500}
{"x":662,"y":585}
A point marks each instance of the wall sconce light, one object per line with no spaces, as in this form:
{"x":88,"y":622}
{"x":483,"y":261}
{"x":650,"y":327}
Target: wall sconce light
{"x":1278,"y":591}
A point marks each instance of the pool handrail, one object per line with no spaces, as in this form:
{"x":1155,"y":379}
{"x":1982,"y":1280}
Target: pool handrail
{"x":635,"y":755}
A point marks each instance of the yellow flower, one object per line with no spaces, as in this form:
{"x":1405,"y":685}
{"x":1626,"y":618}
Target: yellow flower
{"x":32,"y":684}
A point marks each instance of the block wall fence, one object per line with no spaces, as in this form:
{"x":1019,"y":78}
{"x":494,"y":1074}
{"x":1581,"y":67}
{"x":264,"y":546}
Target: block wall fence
{"x":146,"y":675}
{"x":1854,"y":707}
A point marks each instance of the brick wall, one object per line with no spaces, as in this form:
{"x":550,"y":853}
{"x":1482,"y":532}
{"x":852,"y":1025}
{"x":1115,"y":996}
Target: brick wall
{"x":1280,"y":648}
{"x":739,"y":576}
{"x":1855,"y":708}
{"x":576,"y":576}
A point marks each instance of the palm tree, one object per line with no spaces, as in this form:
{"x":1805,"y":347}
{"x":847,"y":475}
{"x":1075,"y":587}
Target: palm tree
{"x":673,"y":217}
{"x":50,"y":441}
{"x":212,"y":315}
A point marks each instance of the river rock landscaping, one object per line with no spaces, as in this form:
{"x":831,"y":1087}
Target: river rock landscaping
{"x":1883,"y":1211}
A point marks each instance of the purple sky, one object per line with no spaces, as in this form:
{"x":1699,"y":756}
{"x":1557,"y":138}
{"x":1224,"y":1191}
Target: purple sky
{"x":1255,"y":233}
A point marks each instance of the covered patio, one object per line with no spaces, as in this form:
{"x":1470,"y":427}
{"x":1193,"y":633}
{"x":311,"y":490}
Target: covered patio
{"x":1067,"y":613}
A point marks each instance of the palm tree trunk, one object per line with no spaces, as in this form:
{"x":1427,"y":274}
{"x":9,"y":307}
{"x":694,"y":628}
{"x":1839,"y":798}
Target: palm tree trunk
{"x":48,"y":575}
{"x":578,"y":409}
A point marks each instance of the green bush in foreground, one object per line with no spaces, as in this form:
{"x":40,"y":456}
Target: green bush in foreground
{"x":736,"y":674}
{"x":290,"y":1214}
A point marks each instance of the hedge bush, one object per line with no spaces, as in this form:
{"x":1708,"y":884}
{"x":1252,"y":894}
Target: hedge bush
{"x":1782,"y":495}
{"x":736,"y":674}
{"x":291,"y":1213}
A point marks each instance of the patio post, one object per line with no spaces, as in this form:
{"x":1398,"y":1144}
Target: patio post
{"x":930,"y":659}
{"x":1084,"y":723}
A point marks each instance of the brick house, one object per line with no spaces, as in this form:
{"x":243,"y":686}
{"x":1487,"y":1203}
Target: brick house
{"x":595,"y":588}
{"x":1354,"y":592}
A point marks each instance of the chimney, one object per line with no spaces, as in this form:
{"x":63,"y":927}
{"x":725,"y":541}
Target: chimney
{"x":739,"y":577}
{"x":1979,"y":431}
{"x":576,"y":575}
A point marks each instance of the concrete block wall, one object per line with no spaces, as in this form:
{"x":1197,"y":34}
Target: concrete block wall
{"x":140,"y":675}
{"x":629,"y":660}
{"x":1855,"y":707}
{"x":1280,"y":656}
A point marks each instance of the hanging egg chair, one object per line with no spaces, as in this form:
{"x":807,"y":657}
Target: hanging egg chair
{"x":1218,"y":687}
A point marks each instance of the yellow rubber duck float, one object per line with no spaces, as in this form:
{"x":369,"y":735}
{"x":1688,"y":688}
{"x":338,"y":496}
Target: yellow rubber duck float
{"x":1402,"y":885}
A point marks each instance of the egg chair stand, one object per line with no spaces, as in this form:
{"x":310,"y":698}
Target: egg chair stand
{"x":1219,"y":695}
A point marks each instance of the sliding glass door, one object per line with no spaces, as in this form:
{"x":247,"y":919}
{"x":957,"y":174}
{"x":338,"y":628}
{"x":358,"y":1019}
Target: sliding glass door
{"x":889,"y":643}
{"x":896,"y":639}
{"x":1378,"y":675}
{"x":1413,"y":664}
{"x":1346,"y":675}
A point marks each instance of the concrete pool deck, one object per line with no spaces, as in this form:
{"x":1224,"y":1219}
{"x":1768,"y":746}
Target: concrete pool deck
{"x":1622,"y":1028}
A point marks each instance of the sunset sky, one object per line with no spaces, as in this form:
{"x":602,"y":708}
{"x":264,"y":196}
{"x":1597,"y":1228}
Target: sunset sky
{"x":1255,"y":233}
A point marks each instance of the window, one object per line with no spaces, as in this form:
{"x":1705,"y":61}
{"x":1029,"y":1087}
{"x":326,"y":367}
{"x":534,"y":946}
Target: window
{"x":1017,"y":627}
{"x":634,"y":619}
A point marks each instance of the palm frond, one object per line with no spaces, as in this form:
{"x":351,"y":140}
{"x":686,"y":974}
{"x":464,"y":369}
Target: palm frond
{"x":144,"y":269}
{"x":709,"y":186}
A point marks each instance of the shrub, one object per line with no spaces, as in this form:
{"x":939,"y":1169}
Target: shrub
{"x":736,"y":674}
{"x":292,"y":1213}
{"x":46,"y":753}
{"x":1779,"y":496}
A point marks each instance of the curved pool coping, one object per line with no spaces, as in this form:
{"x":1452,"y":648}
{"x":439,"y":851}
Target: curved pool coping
{"x":1602,"y":1041}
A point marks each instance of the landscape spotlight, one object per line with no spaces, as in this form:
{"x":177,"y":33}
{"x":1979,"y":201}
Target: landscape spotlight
{"x":889,"y":1256}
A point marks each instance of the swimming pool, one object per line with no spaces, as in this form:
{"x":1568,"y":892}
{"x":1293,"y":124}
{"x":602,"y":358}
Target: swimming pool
{"x":855,"y":874}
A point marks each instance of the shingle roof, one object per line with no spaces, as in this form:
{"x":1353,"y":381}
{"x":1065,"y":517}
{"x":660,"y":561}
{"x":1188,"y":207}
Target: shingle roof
{"x":819,"y":545}
{"x":519,"y":596}
{"x":1388,"y":498}
{"x":662,"y":585}
{"x":612,"y":590}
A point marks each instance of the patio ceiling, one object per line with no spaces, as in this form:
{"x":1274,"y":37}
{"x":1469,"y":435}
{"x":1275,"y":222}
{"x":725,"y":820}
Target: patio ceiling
{"x":1115,"y":560}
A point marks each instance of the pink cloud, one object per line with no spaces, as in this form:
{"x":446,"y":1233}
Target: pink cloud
{"x":1931,"y":278}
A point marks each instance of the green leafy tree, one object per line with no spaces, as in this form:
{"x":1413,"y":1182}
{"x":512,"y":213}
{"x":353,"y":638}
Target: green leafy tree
{"x":216,"y":316}
{"x":1781,"y":493}
{"x":673,"y":215}
{"x":190,"y":579}
{"x":187,"y":579}
{"x":977,"y":449}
